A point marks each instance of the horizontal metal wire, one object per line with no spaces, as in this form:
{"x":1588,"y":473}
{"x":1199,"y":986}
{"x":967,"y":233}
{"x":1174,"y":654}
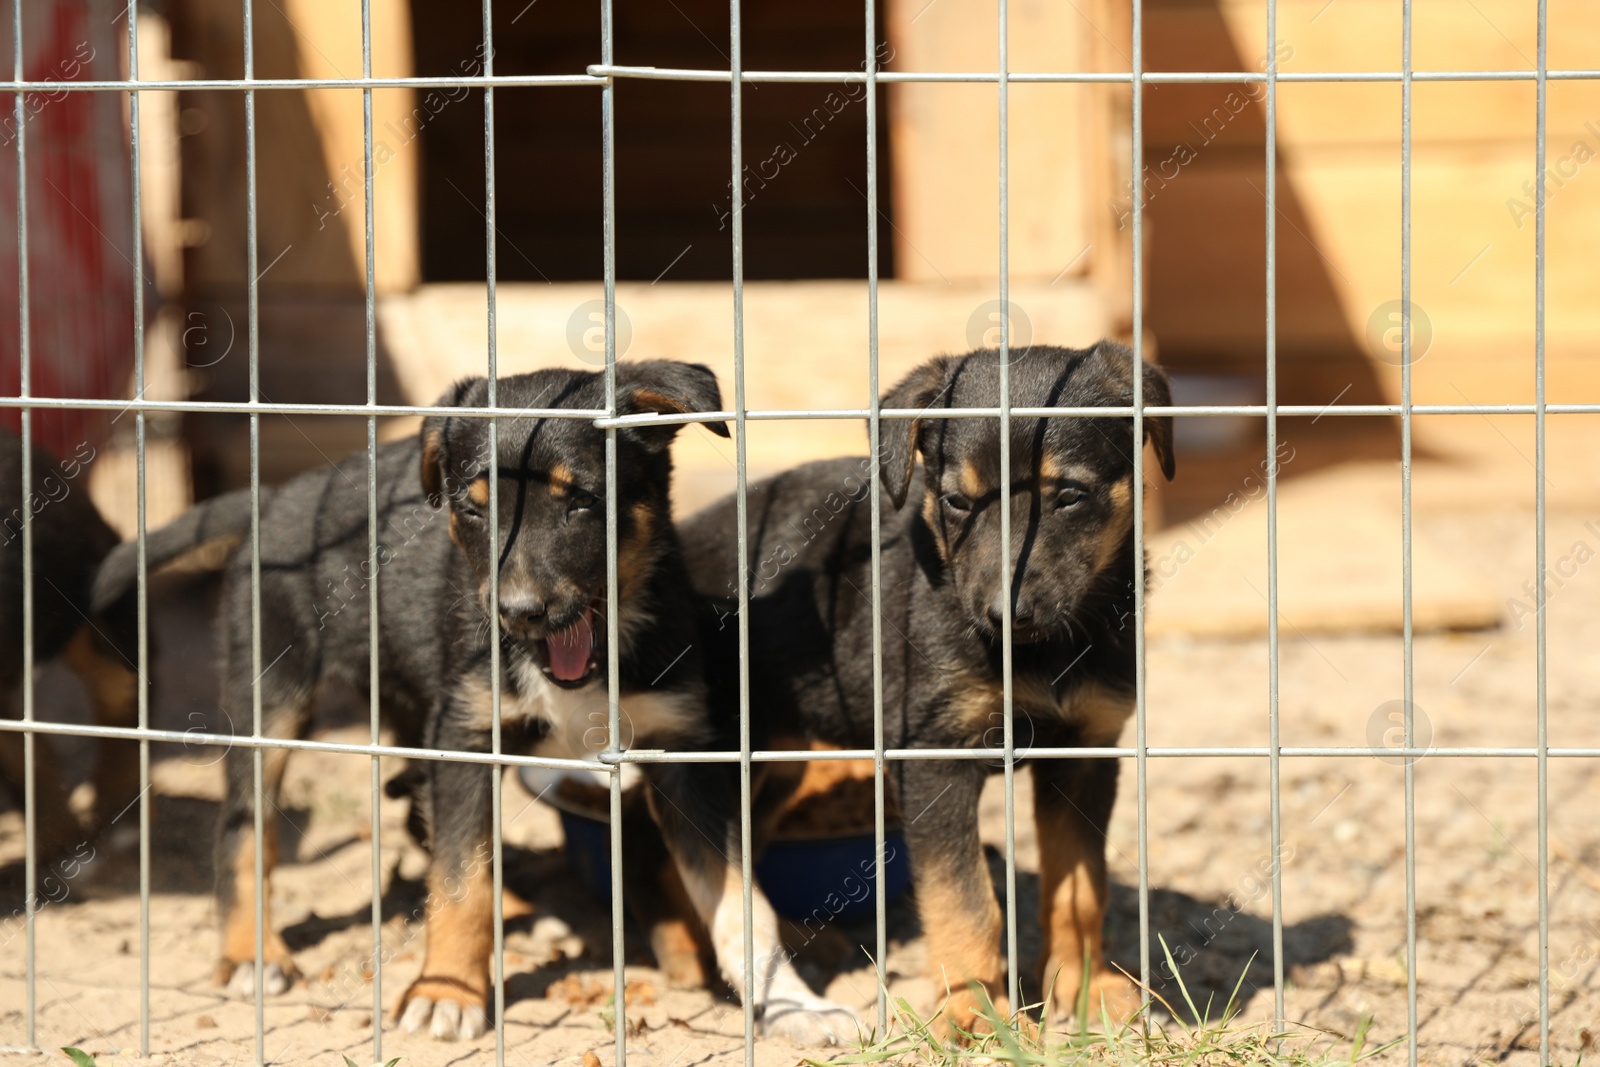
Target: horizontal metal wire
{"x":1060,"y":752}
{"x":1120,"y":411}
{"x":599,"y":74}
{"x":785,"y":755}
{"x":203,"y":737}
{"x":1069,"y":77}
{"x":247,"y":407}
{"x":253,"y":84}
{"x":1123,"y":411}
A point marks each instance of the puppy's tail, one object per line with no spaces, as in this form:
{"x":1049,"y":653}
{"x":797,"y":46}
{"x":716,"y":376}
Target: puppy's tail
{"x":201,"y":539}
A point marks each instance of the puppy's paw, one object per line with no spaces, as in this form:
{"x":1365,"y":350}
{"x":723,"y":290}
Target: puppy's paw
{"x":677,"y":954}
{"x":1112,"y":996}
{"x":965,"y":1014}
{"x":239,"y":979}
{"x":808,"y":1020}
{"x":1120,"y":995}
{"x":449,"y":1012}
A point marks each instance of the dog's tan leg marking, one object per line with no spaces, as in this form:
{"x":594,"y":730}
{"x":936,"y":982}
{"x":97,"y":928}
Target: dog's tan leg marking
{"x":678,"y":940}
{"x":961,"y":919}
{"x":459,"y":935}
{"x":57,"y":828}
{"x":1073,"y":897}
{"x":238,"y":919}
{"x":114,"y":691}
{"x":677,"y":952}
{"x":453,"y":988}
{"x":113,"y":686}
{"x":513,"y":906}
{"x":239,"y":924}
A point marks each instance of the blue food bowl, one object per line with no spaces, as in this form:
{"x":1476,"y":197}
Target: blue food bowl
{"x":832,"y":877}
{"x":823,"y":877}
{"x":588,"y":846}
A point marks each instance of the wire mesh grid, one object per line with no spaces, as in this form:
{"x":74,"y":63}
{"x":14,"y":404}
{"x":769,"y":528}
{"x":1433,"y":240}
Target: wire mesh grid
{"x":604,"y":76}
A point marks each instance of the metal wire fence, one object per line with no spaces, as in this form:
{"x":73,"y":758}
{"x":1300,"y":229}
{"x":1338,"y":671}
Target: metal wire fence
{"x":604,"y":76}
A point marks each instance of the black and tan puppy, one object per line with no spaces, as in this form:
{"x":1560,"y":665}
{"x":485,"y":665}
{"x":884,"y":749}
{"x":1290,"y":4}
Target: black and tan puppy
{"x":551,"y":559}
{"x":69,"y":540}
{"x":435,"y":560}
{"x":1070,"y":494}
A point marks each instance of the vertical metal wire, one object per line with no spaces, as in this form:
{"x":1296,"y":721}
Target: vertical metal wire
{"x":1406,"y":634}
{"x":1543,"y":631}
{"x":874,"y":435}
{"x":741,"y":510}
{"x":1141,"y":739}
{"x":140,"y":575}
{"x":252,"y":298}
{"x":1273,"y":755}
{"x":497,"y":772}
{"x":373,"y":675}
{"x":608,"y":230}
{"x":1007,"y":709}
{"x":30,"y":818}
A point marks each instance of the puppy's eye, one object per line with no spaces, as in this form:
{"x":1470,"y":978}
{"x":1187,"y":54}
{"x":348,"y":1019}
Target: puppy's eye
{"x":1070,"y":498}
{"x":468,"y":510}
{"x":582,"y":502}
{"x":957,"y":503}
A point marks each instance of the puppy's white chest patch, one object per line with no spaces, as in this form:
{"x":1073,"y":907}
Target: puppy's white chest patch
{"x":578,"y":720}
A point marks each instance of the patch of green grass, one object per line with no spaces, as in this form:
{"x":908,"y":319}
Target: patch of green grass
{"x":1193,"y":1039}
{"x":79,"y":1057}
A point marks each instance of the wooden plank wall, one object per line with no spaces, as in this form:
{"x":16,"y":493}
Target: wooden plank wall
{"x":1339,"y":193}
{"x":1066,"y":155}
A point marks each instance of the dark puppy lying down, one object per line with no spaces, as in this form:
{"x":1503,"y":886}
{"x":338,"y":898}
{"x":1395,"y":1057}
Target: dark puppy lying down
{"x":1070,"y":493}
{"x":435,"y":667}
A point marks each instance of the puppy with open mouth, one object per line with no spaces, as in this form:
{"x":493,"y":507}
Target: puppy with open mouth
{"x":438,"y":550}
{"x":570,"y":657}
{"x":550,"y":557}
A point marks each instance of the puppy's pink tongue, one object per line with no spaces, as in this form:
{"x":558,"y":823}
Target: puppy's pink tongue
{"x":569,"y":650}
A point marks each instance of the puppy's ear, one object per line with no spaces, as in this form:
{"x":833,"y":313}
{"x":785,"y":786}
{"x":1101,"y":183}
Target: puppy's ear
{"x":898,"y":439}
{"x":666,"y":387}
{"x":1158,"y":428}
{"x":1157,"y":393}
{"x":435,"y":439}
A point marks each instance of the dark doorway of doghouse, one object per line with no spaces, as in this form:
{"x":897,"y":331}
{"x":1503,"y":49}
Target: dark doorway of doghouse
{"x":805,"y":145}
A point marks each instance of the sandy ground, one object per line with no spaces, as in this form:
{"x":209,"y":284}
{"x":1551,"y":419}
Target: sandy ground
{"x":1210,"y":857}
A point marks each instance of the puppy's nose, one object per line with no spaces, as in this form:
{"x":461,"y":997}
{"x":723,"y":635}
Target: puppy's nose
{"x":521,"y":609}
{"x":1021,"y":613}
